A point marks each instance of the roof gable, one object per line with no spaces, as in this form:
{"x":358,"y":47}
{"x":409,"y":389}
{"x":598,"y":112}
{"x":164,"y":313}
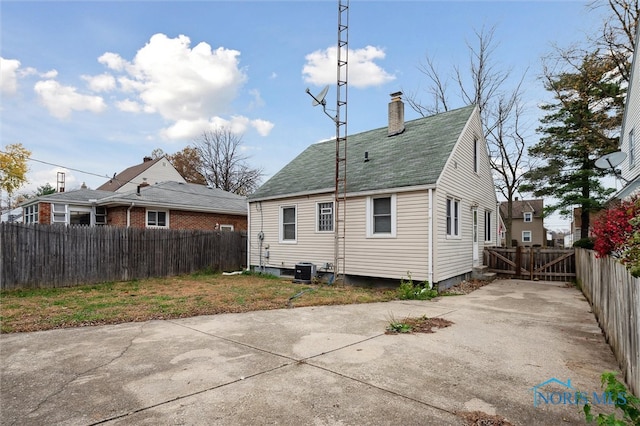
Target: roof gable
{"x":519,"y":207}
{"x":415,"y":157}
{"x":130,"y":174}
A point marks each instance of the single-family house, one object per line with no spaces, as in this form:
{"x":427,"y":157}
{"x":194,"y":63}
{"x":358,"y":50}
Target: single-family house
{"x":420,"y":201}
{"x":630,"y":165}
{"x":150,"y":171}
{"x":170,"y":205}
{"x":527,"y":223}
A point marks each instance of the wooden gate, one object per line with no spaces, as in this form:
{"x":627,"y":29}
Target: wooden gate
{"x":548,"y":264}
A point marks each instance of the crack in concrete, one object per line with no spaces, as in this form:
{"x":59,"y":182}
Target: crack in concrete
{"x":292,"y":360}
{"x":76,"y":376}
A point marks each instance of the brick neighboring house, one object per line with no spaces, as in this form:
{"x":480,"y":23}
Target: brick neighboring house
{"x":166,"y":205}
{"x":527,"y":226}
{"x":149,"y":172}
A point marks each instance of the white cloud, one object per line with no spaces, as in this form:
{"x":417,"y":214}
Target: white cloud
{"x":8,"y":76}
{"x":49,"y":75}
{"x":112,"y":61}
{"x":320,"y":68}
{"x":263,"y":127}
{"x":100,"y":83}
{"x":62,"y":100}
{"x":257,"y":102}
{"x":180,"y":83}
{"x":129,"y":106}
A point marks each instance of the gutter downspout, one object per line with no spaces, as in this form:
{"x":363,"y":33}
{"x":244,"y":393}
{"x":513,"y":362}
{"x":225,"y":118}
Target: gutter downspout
{"x":248,"y":236}
{"x":430,"y":231}
{"x":129,"y":214}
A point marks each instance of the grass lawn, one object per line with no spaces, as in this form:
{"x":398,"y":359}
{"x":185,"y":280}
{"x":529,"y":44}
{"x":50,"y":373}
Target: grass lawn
{"x":164,"y":298}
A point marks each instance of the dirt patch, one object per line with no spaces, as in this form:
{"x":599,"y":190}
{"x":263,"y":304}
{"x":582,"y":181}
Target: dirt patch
{"x":465,"y":287}
{"x":417,"y":325}
{"x":478,"y":418}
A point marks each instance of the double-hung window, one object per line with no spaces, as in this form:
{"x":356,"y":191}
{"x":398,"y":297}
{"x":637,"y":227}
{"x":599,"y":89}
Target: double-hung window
{"x":157,"y":219}
{"x":526,"y":236}
{"x":288,"y":224}
{"x":381,"y":216}
{"x":453,"y":217}
{"x":324,"y":214}
{"x":59,"y":213}
{"x":528,"y":217}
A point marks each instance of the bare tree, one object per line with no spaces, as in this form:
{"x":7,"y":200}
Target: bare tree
{"x":484,"y":84}
{"x":223,"y":164}
{"x":618,"y":37}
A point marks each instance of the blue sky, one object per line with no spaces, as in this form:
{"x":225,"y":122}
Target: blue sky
{"x":92,"y":87}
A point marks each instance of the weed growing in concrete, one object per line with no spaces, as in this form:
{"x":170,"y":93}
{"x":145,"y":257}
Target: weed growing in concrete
{"x":624,"y":400}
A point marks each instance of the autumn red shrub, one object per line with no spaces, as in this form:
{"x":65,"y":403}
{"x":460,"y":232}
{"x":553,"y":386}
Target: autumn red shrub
{"x":613,"y":229}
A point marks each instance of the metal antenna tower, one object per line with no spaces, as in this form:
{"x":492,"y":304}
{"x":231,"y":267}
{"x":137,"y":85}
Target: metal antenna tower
{"x":340,"y":120}
{"x":341,"y":141}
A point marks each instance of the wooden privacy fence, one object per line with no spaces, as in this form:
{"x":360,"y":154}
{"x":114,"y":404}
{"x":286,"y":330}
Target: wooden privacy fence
{"x":546,"y":264}
{"x":614,"y":296}
{"x":33,"y":255}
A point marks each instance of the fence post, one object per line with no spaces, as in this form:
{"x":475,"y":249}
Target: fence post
{"x":518,"y":261}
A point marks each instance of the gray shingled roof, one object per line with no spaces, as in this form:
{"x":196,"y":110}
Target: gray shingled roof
{"x":519,"y":207}
{"x":182,"y":196}
{"x":414,"y":157}
{"x":79,"y":196}
{"x":169,"y":195}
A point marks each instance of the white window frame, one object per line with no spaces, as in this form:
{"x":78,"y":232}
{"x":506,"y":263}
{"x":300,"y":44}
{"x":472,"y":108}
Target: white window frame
{"x":528,"y":216}
{"x":281,"y":224}
{"x":452,"y":217}
{"x":83,"y":210}
{"x":146,"y":218}
{"x":632,"y":148}
{"x":226,"y":228}
{"x":31,"y":214}
{"x":370,"y":221}
{"x":59,"y":213}
{"x":488,"y":227}
{"x":529,"y":239}
{"x":476,"y":162}
{"x":321,"y":216}
{"x":99,"y":219}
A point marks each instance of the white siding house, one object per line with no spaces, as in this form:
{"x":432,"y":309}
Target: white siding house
{"x":630,"y":133}
{"x":419,"y":202}
{"x":149,"y":172}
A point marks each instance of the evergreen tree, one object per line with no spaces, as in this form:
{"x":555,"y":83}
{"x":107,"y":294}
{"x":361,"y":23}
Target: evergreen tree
{"x":581,"y":125}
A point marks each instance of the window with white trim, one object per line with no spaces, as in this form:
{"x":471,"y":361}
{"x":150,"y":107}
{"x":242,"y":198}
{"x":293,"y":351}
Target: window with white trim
{"x":227,"y":228}
{"x":526,"y":236}
{"x":101,"y":215}
{"x":475,"y":155}
{"x":632,"y":149}
{"x":157,"y":219}
{"x":288,"y":224}
{"x":324,"y":213}
{"x":59,"y":213}
{"x":31,"y":214}
{"x":488,"y":228}
{"x":528,"y":217}
{"x":453,"y":217}
{"x":381,"y":216}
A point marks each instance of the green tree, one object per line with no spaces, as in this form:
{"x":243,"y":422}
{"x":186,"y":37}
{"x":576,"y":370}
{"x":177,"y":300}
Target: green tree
{"x":581,"y":125}
{"x":45,"y":189}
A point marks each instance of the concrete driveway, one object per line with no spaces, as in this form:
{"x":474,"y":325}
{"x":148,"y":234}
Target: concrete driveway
{"x":317,"y":366}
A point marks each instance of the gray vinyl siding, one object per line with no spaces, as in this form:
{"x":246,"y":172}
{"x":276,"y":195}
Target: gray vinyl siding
{"x":454,"y":256}
{"x":632,"y":124}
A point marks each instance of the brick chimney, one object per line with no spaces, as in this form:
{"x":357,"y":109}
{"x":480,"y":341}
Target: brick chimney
{"x":396,"y":114}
